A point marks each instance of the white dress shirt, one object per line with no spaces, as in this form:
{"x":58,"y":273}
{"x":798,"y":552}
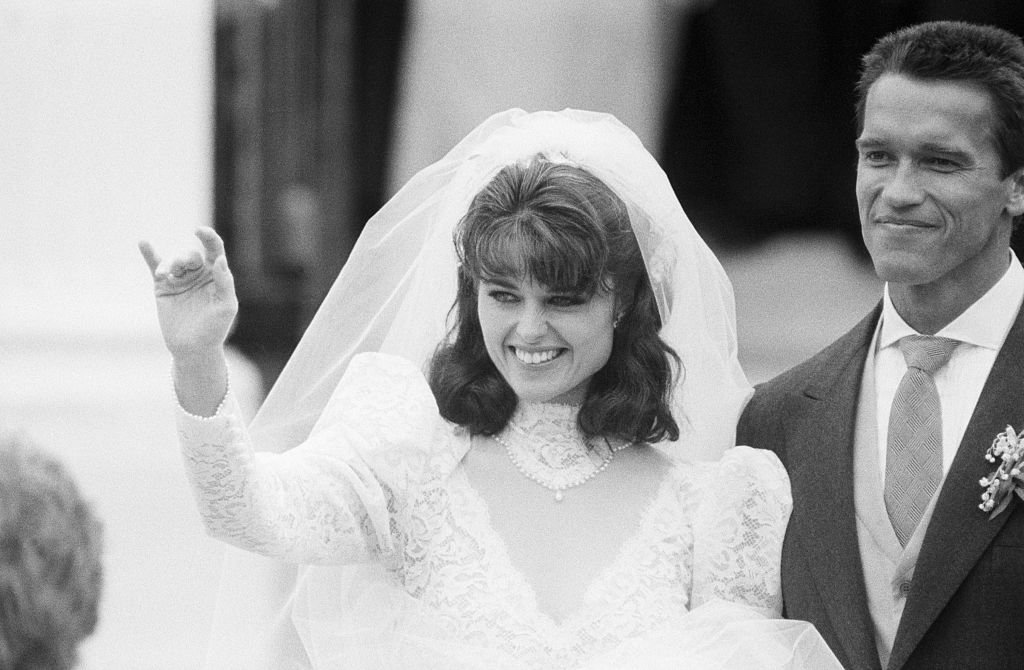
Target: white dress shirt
{"x":981,"y":330}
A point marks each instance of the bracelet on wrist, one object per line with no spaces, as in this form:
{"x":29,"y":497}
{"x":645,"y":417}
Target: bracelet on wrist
{"x":216,"y":411}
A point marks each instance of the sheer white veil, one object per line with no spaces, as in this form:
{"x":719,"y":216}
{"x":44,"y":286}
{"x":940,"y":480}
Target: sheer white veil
{"x":398,"y":286}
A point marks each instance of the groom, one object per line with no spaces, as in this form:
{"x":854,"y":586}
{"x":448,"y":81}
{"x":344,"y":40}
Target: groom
{"x":884,"y":432}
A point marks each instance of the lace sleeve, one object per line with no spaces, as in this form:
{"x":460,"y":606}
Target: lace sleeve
{"x":337,"y":497}
{"x":738,"y":531}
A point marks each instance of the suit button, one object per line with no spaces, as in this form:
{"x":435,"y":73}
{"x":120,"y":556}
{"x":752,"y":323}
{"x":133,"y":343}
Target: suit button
{"x":905,"y":588}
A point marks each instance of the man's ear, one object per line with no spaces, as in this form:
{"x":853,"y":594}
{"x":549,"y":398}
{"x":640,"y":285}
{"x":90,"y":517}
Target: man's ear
{"x":1015,"y":199}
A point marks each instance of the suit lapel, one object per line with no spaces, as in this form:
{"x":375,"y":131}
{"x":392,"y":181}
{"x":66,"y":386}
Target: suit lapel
{"x":959,"y":532}
{"x":821,"y":471}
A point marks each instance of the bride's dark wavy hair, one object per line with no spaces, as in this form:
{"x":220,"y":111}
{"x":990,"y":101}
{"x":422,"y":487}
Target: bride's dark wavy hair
{"x":565,"y":229}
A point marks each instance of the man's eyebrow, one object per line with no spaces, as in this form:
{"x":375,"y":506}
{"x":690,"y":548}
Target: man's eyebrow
{"x":862,"y":142}
{"x":939,"y":148}
{"x":927,"y":147}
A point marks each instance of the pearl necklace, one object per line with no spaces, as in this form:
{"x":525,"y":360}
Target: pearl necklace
{"x":551,"y":453}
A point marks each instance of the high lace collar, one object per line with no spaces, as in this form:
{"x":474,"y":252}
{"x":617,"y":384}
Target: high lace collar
{"x":548,"y":421}
{"x":544,"y":443}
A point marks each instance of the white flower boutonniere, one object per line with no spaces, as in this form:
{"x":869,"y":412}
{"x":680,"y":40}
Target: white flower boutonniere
{"x":1008,"y":477}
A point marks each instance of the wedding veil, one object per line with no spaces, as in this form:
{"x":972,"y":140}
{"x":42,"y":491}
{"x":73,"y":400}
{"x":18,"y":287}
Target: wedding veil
{"x":398,"y":285}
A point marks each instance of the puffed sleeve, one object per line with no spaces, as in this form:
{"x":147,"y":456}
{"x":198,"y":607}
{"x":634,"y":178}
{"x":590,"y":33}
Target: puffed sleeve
{"x":738,"y":531}
{"x":338,"y":497}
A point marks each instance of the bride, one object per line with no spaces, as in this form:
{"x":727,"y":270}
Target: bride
{"x":506,"y":440}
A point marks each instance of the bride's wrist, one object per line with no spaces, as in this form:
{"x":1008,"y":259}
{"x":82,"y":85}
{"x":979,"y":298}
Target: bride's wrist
{"x":200,"y":363}
{"x":200,"y":383}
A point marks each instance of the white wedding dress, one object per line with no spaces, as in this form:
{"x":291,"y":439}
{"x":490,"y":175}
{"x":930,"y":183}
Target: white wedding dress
{"x":379,"y":488}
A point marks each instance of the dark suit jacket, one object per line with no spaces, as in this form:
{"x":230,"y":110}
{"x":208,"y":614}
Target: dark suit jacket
{"x":966,"y":606}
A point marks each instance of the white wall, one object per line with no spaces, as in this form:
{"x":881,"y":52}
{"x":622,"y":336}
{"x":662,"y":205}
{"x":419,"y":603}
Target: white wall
{"x":105,"y":127}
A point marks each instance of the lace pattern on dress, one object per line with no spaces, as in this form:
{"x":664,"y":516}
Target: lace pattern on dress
{"x":355,"y":492}
{"x":740,"y":527}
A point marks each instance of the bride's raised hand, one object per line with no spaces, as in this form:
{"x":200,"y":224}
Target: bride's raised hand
{"x":195,"y":298}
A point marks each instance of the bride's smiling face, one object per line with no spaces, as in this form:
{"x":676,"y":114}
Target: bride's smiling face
{"x":547,"y":345}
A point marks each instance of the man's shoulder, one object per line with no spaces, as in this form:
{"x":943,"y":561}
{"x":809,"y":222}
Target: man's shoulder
{"x":824,"y":362}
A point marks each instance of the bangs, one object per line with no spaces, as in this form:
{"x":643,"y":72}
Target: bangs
{"x":559,"y":254}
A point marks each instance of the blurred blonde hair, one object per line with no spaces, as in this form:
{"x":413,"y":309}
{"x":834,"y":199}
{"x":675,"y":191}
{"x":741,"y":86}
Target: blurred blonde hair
{"x":50,"y":565}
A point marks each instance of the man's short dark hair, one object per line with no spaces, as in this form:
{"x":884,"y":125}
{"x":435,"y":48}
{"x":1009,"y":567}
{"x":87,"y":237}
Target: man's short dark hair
{"x":957,"y":51}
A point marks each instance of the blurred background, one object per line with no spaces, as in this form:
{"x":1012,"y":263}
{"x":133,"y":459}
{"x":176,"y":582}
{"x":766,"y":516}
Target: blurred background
{"x":285,"y":124}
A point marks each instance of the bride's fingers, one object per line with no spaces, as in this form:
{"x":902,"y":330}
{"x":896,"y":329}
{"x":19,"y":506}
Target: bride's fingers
{"x":213,"y":245}
{"x":181,"y":266}
{"x":149,"y":254}
{"x":222,"y":275}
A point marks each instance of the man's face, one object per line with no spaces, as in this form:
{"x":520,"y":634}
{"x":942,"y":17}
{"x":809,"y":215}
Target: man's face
{"x":934,"y":210}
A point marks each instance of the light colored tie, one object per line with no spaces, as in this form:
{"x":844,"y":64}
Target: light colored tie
{"x":913,"y":465}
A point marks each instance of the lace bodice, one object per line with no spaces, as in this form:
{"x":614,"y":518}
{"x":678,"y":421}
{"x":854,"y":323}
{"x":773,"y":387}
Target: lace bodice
{"x":381,"y":478}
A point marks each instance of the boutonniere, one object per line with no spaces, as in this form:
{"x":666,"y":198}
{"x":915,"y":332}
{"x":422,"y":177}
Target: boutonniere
{"x":1008,"y":477}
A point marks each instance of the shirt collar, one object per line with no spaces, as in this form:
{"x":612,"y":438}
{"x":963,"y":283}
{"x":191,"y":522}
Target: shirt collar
{"x":983,"y":324}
